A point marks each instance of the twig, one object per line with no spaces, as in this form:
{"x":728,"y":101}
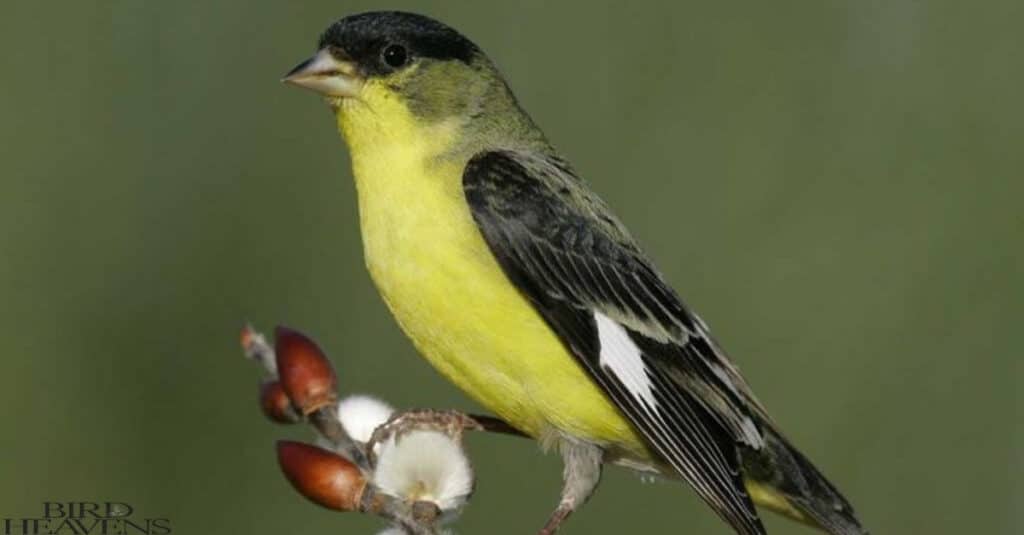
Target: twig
{"x":413,"y":516}
{"x":496,"y":425}
{"x":416,"y":518}
{"x":256,"y":348}
{"x":325,"y":421}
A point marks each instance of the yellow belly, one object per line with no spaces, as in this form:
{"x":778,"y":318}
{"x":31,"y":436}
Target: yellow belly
{"x":452,"y":299}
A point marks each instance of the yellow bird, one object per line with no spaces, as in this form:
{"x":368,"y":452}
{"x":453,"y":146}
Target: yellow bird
{"x":521,"y":287}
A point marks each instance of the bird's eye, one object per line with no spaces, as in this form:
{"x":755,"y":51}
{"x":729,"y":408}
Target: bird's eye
{"x":395,"y":56}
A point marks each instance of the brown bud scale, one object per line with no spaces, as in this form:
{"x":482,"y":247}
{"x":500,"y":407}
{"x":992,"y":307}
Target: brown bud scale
{"x":276,"y":405}
{"x":324,"y":477}
{"x":305,"y":373}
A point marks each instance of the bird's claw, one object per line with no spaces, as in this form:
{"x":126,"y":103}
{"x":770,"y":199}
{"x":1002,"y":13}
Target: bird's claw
{"x":448,"y":422}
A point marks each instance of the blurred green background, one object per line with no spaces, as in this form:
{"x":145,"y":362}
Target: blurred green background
{"x":835,"y":186}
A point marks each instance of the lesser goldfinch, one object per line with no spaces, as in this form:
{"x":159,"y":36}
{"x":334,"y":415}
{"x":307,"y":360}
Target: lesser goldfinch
{"x":519,"y":285}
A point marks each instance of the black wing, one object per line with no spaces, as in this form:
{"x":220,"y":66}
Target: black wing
{"x":560,"y":245}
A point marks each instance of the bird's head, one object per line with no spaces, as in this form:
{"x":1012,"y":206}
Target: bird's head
{"x":391,"y":73}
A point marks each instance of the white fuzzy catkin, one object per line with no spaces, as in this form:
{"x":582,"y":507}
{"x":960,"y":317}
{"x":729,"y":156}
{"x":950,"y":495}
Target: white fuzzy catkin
{"x":425,"y":466}
{"x":361,"y":414}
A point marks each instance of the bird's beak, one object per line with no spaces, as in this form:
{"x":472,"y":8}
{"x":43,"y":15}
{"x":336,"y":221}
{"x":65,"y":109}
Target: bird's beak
{"x":326,"y":74}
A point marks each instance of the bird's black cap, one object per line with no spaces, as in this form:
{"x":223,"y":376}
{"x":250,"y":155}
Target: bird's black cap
{"x":362,"y":37}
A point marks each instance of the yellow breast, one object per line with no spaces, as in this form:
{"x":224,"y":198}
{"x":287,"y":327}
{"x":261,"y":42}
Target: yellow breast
{"x":449,"y":295}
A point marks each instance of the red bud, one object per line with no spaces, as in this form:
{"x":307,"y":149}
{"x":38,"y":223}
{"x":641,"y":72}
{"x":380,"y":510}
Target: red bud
{"x":276,"y":405}
{"x":306,"y":374}
{"x":323,"y":477}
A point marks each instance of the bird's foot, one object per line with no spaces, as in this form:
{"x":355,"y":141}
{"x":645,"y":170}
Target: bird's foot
{"x":448,"y":422}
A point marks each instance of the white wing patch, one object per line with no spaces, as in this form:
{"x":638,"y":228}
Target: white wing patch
{"x":621,"y":355}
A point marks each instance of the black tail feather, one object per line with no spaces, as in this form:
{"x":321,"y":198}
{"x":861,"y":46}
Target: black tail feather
{"x":780,"y":469}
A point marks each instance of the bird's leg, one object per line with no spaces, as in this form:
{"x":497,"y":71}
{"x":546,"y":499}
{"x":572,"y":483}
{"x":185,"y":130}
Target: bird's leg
{"x":581,"y":474}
